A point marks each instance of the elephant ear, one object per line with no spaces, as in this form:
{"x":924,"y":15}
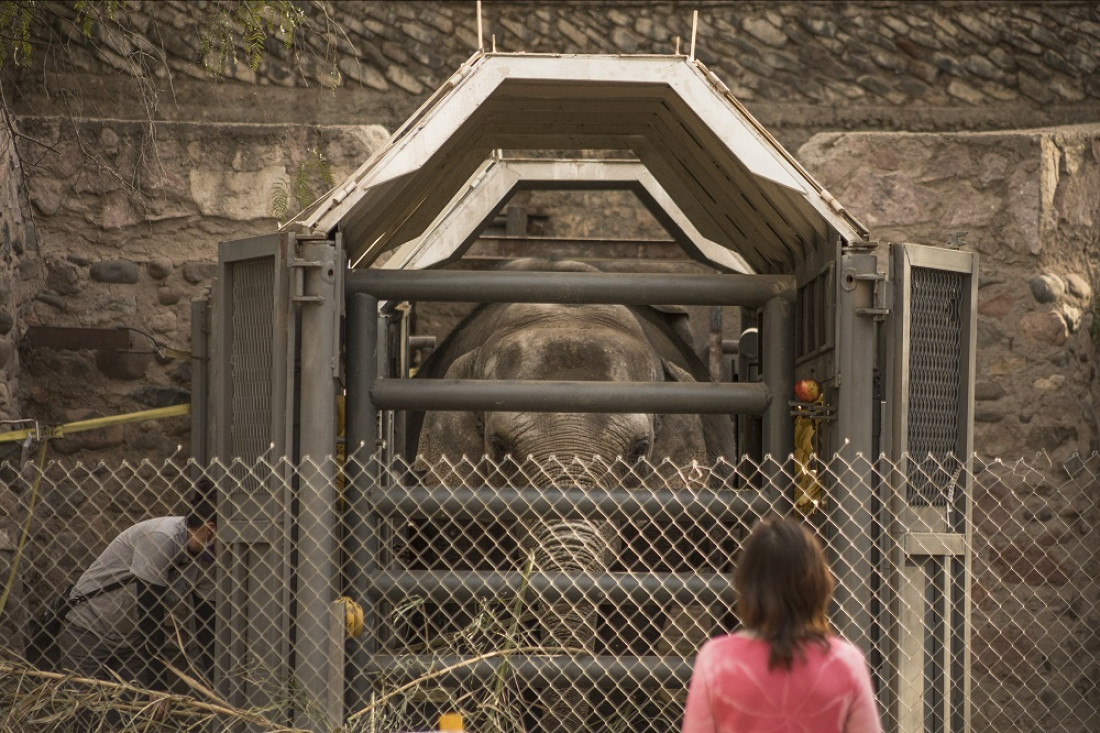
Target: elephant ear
{"x":451,"y":444}
{"x":680,"y":437}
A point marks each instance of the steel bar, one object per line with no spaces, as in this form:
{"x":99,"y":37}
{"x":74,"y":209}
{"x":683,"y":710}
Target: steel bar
{"x":636,"y":588}
{"x":361,"y":434}
{"x":855,"y":408}
{"x":623,"y":504}
{"x":510,"y":248}
{"x":200,"y":372}
{"x":200,"y":389}
{"x":605,"y":673}
{"x":778,"y":371}
{"x":60,"y":337}
{"x":316,"y":669}
{"x":571,"y":287}
{"x":361,"y":415}
{"x":566,"y":396}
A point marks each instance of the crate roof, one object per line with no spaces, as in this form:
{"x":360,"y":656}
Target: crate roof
{"x":706,"y":165}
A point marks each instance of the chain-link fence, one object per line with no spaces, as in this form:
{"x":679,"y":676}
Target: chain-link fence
{"x":562,"y":595}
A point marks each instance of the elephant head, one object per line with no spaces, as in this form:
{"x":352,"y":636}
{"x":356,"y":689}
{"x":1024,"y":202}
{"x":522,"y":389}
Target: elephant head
{"x":556,"y":342}
{"x":576,"y":343}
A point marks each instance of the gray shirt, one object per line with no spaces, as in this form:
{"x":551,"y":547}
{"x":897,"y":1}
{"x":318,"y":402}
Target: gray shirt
{"x":154,"y":551}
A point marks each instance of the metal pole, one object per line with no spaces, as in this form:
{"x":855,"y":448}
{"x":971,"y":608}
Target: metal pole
{"x":641,"y":588}
{"x":855,"y":417}
{"x":748,"y":363}
{"x":495,"y":502}
{"x":200,"y":451}
{"x":778,"y":369}
{"x":362,"y":415}
{"x":714,"y":344}
{"x":320,"y":677}
{"x":571,"y":287}
{"x":362,"y":436}
{"x":566,"y":396}
{"x":605,"y":673}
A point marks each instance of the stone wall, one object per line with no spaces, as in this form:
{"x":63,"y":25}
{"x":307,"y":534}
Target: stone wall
{"x":128,"y":245}
{"x":1028,"y":202}
{"x":1034,"y":646}
{"x":1029,"y":205}
{"x":800,"y":67}
{"x":17,"y":236}
{"x":130,"y":211}
{"x":127,"y":230}
{"x":18,"y":242}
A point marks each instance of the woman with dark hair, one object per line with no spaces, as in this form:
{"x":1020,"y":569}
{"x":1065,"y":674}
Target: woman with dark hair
{"x":784,"y":670}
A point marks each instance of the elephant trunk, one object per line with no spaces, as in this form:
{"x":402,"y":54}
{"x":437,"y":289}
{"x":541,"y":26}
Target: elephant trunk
{"x":570,"y":546}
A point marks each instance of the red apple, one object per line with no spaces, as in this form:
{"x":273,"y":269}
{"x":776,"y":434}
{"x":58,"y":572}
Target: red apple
{"x":807,"y":390}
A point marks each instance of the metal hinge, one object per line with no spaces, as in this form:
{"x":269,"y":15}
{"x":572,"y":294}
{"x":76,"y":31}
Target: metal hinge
{"x":881,"y":307}
{"x":298,"y":281}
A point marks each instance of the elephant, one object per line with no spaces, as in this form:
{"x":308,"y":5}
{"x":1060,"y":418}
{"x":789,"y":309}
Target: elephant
{"x":569,"y":342}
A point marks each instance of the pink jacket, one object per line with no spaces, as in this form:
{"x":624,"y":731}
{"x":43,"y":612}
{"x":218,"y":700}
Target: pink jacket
{"x":733,"y":691}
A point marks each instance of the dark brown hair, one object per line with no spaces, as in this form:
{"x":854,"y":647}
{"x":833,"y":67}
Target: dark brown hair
{"x":783,"y":588}
{"x":203,"y":510}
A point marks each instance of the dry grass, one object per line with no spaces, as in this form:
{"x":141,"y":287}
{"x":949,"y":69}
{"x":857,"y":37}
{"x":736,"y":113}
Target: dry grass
{"x":43,"y":702}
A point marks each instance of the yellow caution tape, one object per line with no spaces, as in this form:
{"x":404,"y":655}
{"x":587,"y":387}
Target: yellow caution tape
{"x":95,"y":423}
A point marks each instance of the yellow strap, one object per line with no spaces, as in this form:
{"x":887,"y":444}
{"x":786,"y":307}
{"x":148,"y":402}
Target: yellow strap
{"x":95,"y":423}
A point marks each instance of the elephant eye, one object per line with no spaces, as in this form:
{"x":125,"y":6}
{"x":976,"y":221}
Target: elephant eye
{"x":638,"y":452}
{"x":498,"y":449}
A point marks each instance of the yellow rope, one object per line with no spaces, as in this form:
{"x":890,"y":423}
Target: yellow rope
{"x":95,"y":423}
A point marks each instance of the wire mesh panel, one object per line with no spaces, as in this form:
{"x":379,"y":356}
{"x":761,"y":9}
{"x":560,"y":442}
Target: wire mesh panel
{"x":935,"y":371}
{"x":250,"y":356}
{"x":540,"y":596}
{"x":566,"y":594}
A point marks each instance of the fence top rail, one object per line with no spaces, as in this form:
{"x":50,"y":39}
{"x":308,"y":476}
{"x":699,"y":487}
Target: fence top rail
{"x":570,"y":287}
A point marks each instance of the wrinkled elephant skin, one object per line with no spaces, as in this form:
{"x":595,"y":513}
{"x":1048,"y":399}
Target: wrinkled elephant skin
{"x":582,"y":343}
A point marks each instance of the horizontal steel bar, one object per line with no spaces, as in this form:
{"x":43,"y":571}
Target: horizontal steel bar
{"x":570,"y":287}
{"x":601,"y":672}
{"x":527,"y":503}
{"x":585,"y":250}
{"x":603,"y":587}
{"x":744,"y":398}
{"x":422,"y":342}
{"x":61,"y":337}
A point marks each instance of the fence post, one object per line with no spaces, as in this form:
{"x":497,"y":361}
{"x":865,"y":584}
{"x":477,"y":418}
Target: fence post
{"x":854,"y":521}
{"x":777,"y":363}
{"x":320,"y":675}
{"x":362,"y":435}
